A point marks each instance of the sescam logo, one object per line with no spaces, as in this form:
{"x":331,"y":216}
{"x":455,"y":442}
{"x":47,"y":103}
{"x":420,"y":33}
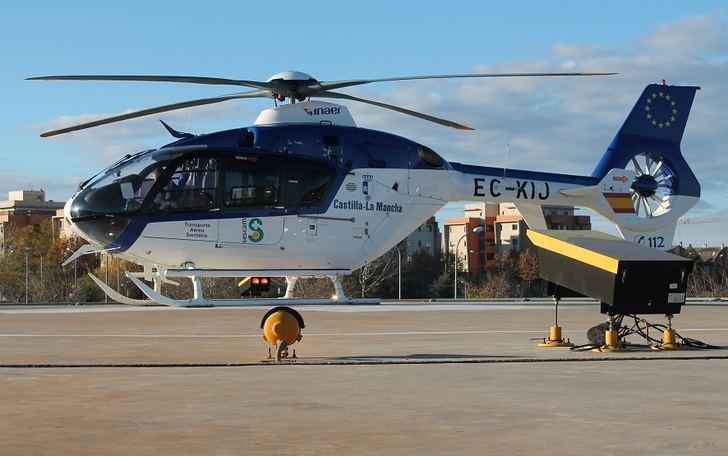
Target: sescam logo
{"x":252,"y":230}
{"x":323,"y":111}
{"x":255,"y":231}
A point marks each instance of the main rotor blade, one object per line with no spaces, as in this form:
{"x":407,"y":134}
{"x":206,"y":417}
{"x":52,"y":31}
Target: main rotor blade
{"x":158,"y":109}
{"x":187,"y":79}
{"x":437,"y":120}
{"x":353,"y":82}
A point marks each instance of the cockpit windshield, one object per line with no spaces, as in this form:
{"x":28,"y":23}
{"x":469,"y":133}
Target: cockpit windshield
{"x":190,"y":185}
{"x":122,"y":189}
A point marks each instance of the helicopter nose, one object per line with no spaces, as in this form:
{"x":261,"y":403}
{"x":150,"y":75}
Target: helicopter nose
{"x":69,"y":221}
{"x":93,"y":223}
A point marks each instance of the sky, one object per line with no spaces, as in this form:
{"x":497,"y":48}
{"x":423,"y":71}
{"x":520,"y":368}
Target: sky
{"x":557,"y":124}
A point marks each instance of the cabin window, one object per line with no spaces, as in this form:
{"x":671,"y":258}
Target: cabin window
{"x":252,"y":181}
{"x":430,"y":157}
{"x":306,"y":183}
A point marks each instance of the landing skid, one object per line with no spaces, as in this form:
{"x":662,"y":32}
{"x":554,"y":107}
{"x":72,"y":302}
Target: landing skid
{"x":156,"y":297}
{"x":120,"y":298}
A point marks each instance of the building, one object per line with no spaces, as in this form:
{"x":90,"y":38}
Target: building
{"x":712,"y":255}
{"x":24,"y":208}
{"x":426,"y":239}
{"x":476,"y":250}
{"x":510,"y":228}
{"x":61,"y":226}
{"x":563,"y":218}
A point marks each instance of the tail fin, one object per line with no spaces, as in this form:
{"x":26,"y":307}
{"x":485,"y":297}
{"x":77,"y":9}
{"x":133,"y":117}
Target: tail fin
{"x":662,"y":187}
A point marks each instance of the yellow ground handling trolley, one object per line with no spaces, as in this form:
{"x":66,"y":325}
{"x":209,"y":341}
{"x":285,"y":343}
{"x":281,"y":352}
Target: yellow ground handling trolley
{"x":627,"y":278}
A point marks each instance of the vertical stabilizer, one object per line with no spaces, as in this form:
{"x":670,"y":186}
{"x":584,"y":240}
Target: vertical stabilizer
{"x":659,"y":186}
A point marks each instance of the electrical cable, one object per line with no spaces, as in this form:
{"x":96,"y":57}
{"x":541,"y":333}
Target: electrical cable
{"x":640,"y":327}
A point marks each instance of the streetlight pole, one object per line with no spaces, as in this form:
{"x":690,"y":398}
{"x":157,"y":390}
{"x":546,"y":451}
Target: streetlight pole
{"x":455,"y":282}
{"x":75,"y":273}
{"x":477,"y":229}
{"x":26,"y":275}
{"x":106,"y":255}
{"x":399,"y":273}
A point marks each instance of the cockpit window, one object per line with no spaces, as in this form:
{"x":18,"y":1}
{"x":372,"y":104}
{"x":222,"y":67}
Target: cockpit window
{"x":190,"y":186}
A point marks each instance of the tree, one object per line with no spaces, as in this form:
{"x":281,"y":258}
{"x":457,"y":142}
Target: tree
{"x":443,"y":284}
{"x":34,"y":253}
{"x":502,"y":280}
{"x":528,"y":269}
{"x":691,"y":252}
{"x":314,"y":287}
{"x":369,"y":279}
{"x":419,"y":273}
{"x":498,"y":285}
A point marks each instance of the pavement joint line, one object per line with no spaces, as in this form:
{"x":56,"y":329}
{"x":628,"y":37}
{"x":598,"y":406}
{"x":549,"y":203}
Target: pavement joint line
{"x":357,"y":334}
{"x":355,"y":362}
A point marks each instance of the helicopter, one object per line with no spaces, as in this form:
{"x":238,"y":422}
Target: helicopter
{"x":306,"y":192}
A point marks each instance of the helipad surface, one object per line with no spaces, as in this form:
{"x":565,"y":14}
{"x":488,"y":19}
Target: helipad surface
{"x":389,"y":379}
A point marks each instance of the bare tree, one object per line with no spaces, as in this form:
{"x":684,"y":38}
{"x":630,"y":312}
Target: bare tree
{"x":314,"y":287}
{"x":370,"y":277}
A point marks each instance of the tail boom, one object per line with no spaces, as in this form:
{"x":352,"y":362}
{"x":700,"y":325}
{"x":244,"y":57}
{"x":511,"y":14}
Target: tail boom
{"x":642,"y":184}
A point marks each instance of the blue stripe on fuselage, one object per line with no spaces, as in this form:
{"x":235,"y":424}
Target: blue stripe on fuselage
{"x":522,"y":174}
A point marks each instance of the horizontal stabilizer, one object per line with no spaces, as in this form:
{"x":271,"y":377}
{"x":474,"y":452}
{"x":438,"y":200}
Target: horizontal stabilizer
{"x":616,"y":181}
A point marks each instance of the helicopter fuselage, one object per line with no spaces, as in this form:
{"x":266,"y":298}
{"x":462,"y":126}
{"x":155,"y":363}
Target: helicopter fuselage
{"x":309,"y":197}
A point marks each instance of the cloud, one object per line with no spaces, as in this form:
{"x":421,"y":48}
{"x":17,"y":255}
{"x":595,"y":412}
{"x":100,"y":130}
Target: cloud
{"x":691,"y":37}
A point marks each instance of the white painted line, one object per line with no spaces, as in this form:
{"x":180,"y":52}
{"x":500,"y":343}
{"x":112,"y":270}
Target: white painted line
{"x":72,"y":310}
{"x":351,"y":334}
{"x":433,"y":307}
{"x":700,"y":329}
{"x":337,"y":308}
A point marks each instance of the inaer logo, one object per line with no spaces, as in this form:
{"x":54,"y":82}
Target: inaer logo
{"x":255,"y":232}
{"x":323,"y":111}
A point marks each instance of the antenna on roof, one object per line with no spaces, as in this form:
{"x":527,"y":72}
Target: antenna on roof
{"x":505,"y":162}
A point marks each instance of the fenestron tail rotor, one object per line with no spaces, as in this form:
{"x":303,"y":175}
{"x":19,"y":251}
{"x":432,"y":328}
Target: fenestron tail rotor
{"x":291,"y":85}
{"x":652,"y":190}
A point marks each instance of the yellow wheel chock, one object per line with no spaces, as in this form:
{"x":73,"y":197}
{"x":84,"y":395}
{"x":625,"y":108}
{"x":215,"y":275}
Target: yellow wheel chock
{"x":282,"y":328}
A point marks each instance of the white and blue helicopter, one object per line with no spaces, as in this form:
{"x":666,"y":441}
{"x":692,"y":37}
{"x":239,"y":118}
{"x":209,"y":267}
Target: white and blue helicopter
{"x":306,"y":192}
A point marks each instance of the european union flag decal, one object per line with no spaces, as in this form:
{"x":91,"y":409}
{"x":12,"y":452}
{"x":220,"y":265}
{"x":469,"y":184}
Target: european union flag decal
{"x":660,"y":109}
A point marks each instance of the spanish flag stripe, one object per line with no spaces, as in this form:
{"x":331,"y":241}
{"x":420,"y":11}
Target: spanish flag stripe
{"x":621,"y":203}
